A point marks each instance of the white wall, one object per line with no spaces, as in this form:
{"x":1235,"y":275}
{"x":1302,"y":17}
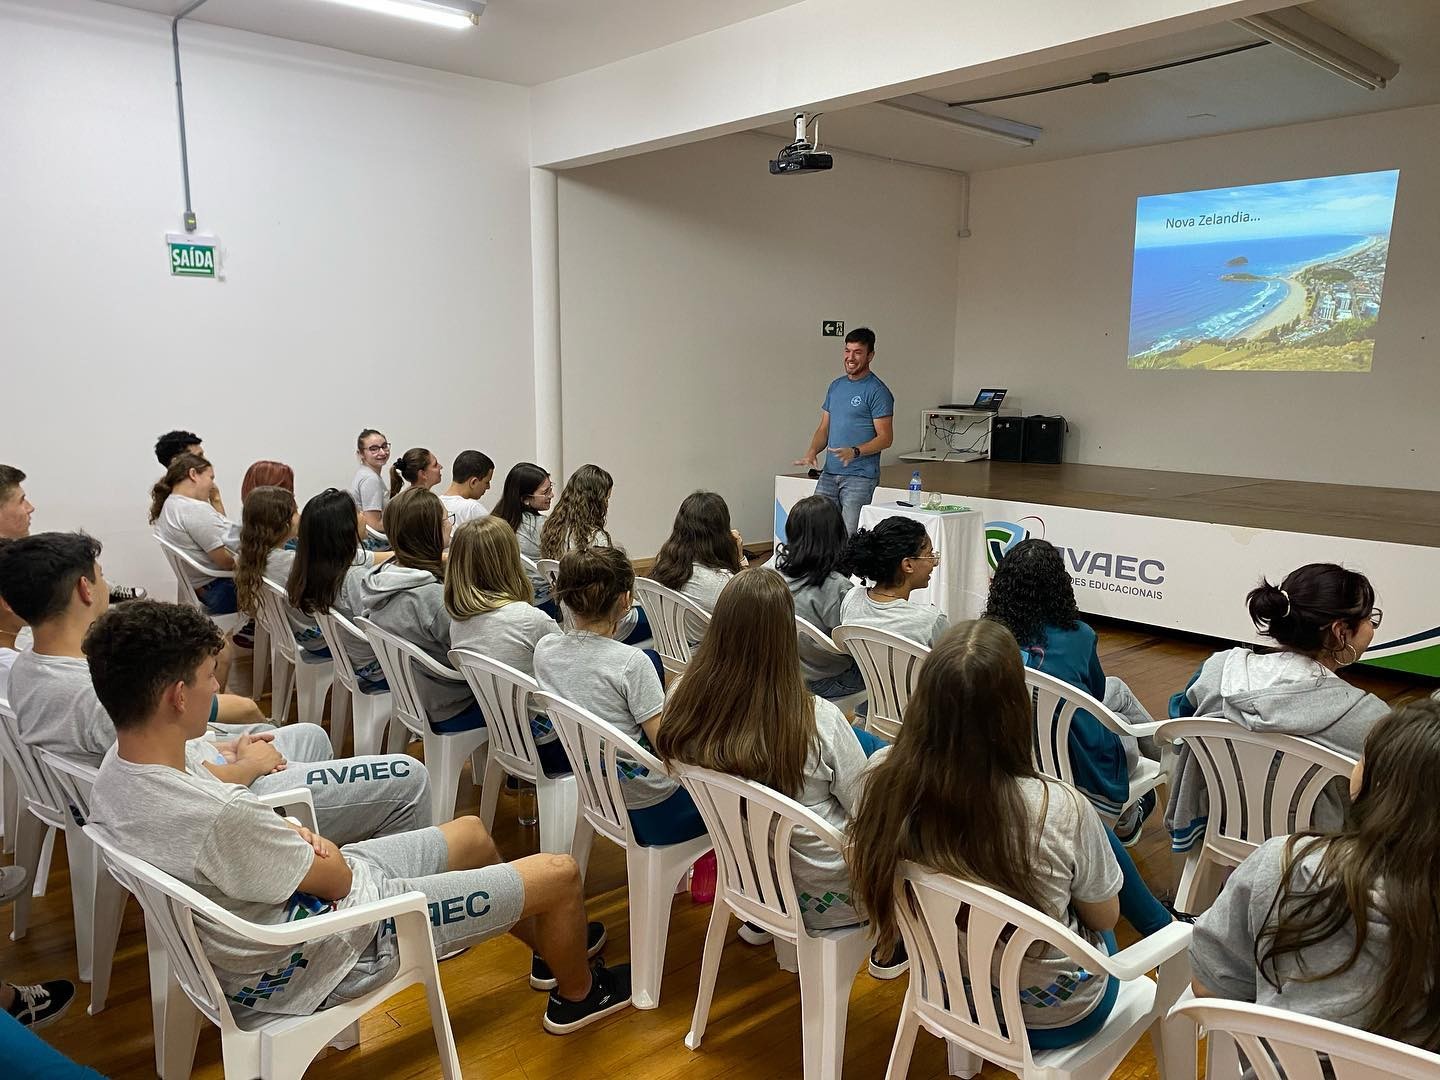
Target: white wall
{"x":1044,"y":309}
{"x":692,"y":288}
{"x":376,"y":225}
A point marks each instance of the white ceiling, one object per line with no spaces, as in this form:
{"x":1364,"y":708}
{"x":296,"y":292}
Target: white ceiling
{"x":517,"y":41}
{"x":1264,"y":87}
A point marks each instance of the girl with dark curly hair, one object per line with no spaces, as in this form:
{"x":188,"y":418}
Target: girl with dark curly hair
{"x":1032,"y":596}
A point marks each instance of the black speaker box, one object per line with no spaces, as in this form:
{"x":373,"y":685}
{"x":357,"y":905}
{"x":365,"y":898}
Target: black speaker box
{"x":1044,"y":442}
{"x":1007,"y":438}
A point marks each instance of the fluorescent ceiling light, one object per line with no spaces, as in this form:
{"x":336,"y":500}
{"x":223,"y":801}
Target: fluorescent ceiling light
{"x":1012,"y":132}
{"x":453,"y":14}
{"x":1320,"y":43}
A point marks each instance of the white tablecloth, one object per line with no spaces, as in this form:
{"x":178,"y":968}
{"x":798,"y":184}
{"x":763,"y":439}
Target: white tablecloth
{"x":961,"y":582}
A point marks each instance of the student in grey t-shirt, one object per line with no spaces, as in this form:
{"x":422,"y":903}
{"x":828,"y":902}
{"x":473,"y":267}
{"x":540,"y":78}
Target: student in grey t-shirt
{"x":619,"y":683}
{"x":181,"y":514}
{"x":488,"y":599}
{"x":153,"y":666}
{"x":1376,"y":871}
{"x":898,"y":557}
{"x":368,"y":487}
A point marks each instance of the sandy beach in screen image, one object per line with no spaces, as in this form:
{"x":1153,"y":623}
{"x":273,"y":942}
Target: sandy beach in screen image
{"x":1292,"y":307}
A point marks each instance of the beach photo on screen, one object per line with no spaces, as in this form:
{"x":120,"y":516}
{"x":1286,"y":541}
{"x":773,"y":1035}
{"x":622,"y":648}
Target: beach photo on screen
{"x":1285,"y":276}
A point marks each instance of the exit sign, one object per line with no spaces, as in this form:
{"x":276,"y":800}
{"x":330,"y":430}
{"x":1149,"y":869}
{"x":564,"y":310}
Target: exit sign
{"x":832,"y":328}
{"x":192,"y":255}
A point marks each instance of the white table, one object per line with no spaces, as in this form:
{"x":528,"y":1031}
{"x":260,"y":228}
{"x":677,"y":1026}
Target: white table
{"x":961,"y":582}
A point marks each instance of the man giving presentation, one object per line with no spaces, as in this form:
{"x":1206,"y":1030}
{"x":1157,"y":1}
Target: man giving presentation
{"x":857,"y":421}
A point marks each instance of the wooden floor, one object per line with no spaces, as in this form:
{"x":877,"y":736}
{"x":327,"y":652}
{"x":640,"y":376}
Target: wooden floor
{"x":754,"y":1029}
{"x":1396,"y":515}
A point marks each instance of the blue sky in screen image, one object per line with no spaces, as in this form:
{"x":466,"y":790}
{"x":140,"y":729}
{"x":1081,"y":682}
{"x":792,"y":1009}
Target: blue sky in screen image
{"x":1358,"y":204}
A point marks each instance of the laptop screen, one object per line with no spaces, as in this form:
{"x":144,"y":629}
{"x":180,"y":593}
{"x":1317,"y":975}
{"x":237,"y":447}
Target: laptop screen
{"x":989,"y":399}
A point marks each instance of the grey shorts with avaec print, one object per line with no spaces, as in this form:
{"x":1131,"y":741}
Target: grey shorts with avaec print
{"x":466,"y":906}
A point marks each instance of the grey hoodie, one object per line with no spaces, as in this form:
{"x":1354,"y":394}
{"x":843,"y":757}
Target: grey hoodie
{"x":411,"y":604}
{"x":1281,"y":692}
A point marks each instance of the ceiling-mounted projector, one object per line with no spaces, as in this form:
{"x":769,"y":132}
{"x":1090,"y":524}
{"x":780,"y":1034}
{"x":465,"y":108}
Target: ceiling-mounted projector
{"x":801,"y":156}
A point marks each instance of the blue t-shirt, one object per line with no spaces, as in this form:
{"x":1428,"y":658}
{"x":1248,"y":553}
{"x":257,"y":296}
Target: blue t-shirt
{"x":853,"y":407}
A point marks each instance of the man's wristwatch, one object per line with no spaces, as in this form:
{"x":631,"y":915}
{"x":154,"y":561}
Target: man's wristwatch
{"x":855,"y":450}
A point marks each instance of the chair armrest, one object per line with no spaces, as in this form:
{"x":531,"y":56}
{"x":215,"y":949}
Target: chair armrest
{"x":335,"y":922}
{"x":1151,"y":952}
{"x":1121,"y":726}
{"x":298,"y":801}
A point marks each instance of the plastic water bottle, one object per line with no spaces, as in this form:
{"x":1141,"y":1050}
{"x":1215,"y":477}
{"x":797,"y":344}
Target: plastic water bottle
{"x":915,"y":488}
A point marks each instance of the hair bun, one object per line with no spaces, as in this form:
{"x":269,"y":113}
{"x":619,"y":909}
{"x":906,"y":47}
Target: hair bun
{"x":1267,"y":604}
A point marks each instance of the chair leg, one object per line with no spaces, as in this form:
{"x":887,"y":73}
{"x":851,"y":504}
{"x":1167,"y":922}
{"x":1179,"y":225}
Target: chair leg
{"x":580,"y":846}
{"x":181,"y":1028}
{"x":40,"y":878}
{"x":109,"y":913}
{"x":341,"y":709}
{"x":824,"y":1005}
{"x":260,"y":665}
{"x":558,"y":801}
{"x":961,"y":1062}
{"x":10,"y":807}
{"x":369,"y":721}
{"x":904,"y":1048}
{"x":652,"y":890}
{"x":311,"y":682}
{"x":490,"y":786}
{"x":709,"y":971}
{"x":282,"y":682}
{"x":81,"y":856}
{"x":29,"y":839}
{"x":1185,"y":891}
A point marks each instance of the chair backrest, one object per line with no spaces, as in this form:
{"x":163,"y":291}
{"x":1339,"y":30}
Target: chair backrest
{"x":815,"y":644}
{"x":1054,"y":704}
{"x":1284,"y":1045}
{"x":750,"y":825}
{"x":43,"y":795}
{"x":179,"y":560}
{"x":957,"y":978}
{"x":890,"y":666}
{"x":505,"y":696}
{"x":1261,"y":784}
{"x":74,"y":779}
{"x":170,"y":908}
{"x":376,"y":534}
{"x":400,"y":659}
{"x":598,"y":751}
{"x":340,"y":634}
{"x":549,"y":567}
{"x":672,"y":620}
{"x":274,"y":613}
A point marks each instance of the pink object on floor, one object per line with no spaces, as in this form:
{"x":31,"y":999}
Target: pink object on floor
{"x":702,"y":879}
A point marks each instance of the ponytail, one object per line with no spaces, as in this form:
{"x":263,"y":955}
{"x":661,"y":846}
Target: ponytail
{"x":177,"y":471}
{"x":411,"y":464}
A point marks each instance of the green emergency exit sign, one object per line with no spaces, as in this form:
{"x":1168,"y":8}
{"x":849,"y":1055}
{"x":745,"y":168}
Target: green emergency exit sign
{"x":832,"y":328}
{"x":193,"y":256}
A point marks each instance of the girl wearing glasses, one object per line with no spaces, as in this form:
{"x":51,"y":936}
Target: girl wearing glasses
{"x":896,"y":555}
{"x":526,"y":496}
{"x":1322,"y":617}
{"x":368,"y":488}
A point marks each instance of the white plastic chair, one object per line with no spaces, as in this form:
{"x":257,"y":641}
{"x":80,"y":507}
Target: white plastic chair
{"x":505,"y":696}
{"x":185,"y":594}
{"x":311,"y":678}
{"x":751,"y":825}
{"x":374,"y":712}
{"x":375,"y":534}
{"x":271,"y":1046}
{"x":890,"y":666}
{"x":818,"y":643}
{"x":596,"y":748}
{"x":673,"y":620}
{"x":40,"y":813}
{"x":549,"y":569}
{"x":1054,"y":703}
{"x":104,"y":897}
{"x":943,"y":1000}
{"x":444,"y":754}
{"x":1284,"y":1045}
{"x":1260,"y":785}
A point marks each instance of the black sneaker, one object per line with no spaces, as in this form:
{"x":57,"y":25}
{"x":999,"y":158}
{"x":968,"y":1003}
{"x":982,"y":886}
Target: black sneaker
{"x":541,"y":977}
{"x":897,"y":965}
{"x":42,"y":1004}
{"x":120,"y":593}
{"x":609,"y":993}
{"x":1127,"y":829}
{"x":244,"y":638}
{"x":1176,"y":913}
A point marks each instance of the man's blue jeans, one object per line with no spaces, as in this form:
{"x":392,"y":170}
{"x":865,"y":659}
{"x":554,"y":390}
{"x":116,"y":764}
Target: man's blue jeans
{"x":849,"y":492}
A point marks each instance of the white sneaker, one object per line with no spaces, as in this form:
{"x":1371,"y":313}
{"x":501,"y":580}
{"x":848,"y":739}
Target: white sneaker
{"x":755,"y":935}
{"x":13,"y":882}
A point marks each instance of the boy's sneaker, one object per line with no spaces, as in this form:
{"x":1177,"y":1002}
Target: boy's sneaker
{"x":609,"y":993}
{"x":42,"y":1004}
{"x":13,"y":882}
{"x":541,"y":977}
{"x":755,"y":935}
{"x":120,"y":593}
{"x":897,"y":965}
{"x":1127,"y":829}
{"x":245,"y":637}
